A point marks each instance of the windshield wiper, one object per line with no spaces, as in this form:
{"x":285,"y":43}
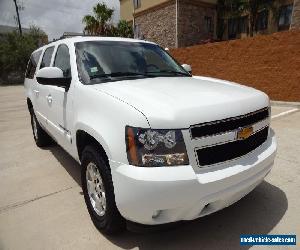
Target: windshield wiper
{"x":169,"y":71}
{"x":116,"y":74}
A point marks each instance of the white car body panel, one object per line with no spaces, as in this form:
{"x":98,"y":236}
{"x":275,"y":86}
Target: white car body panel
{"x":176,"y":193}
{"x":179,"y":102}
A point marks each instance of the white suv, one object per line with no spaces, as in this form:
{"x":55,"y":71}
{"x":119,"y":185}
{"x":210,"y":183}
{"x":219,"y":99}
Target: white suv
{"x":156,"y":144}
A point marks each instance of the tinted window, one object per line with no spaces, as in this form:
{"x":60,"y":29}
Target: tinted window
{"x":208,"y":24}
{"x":33,"y":61}
{"x":262,"y":20}
{"x":99,"y":60}
{"x":62,"y":60}
{"x":285,"y":16}
{"x":47,"y":57}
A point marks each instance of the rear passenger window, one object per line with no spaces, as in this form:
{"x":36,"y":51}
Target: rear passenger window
{"x":47,"y":57}
{"x":33,"y":61}
{"x":62,"y":60}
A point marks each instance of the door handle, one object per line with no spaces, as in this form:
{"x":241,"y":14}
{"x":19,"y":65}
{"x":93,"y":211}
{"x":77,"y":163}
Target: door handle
{"x":49,"y":99}
{"x":36,"y":92}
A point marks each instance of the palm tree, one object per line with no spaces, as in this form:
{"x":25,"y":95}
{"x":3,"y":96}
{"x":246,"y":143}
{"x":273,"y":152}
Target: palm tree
{"x":98,"y":24}
{"x":91,"y":25}
{"x":124,"y":29}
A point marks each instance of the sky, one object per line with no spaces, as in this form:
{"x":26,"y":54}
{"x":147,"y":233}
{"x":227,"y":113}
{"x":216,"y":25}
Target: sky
{"x":53,"y":16}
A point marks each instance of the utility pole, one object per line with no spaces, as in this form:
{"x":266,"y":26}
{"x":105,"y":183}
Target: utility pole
{"x":18,"y":17}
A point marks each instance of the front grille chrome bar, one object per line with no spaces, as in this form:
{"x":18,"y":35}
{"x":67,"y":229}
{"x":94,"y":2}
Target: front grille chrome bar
{"x":229,"y":124}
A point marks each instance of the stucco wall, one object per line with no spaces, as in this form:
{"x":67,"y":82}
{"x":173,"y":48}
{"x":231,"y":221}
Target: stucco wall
{"x":126,"y":7}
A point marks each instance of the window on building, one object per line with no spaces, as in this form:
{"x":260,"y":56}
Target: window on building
{"x":285,"y":17}
{"x":62,"y":60}
{"x":137,"y":4}
{"x":242,"y":26}
{"x":137,"y":32}
{"x":47,"y":57}
{"x":33,"y":61}
{"x":208,"y":22}
{"x":262,"y":20}
{"x":237,"y":26}
{"x":232,"y":28}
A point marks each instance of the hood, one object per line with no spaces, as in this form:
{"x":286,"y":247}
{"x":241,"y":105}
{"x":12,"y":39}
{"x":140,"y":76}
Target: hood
{"x":179,"y":102}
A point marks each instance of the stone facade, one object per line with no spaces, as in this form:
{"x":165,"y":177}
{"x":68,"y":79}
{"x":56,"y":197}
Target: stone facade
{"x":196,"y":22}
{"x":159,"y":25}
{"x":296,"y":15}
{"x":192,"y":22}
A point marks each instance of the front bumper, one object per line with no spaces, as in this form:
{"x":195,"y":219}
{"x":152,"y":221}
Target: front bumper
{"x":167,"y":194}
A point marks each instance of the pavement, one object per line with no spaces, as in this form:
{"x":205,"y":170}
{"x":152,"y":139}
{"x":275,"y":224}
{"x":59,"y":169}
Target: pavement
{"x":42,"y":206}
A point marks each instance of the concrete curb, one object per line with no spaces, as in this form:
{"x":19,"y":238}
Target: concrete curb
{"x":286,"y":104}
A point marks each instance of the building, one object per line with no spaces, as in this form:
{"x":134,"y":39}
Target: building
{"x":42,"y":37}
{"x":67,"y":34}
{"x":296,"y":15}
{"x":181,"y":23}
{"x":171,"y":23}
{"x":4,"y":29}
{"x":267,"y":21}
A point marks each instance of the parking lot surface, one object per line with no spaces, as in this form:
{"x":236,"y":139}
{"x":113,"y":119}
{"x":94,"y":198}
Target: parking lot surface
{"x":42,"y":206}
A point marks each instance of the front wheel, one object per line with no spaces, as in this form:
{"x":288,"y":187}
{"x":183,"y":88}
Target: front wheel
{"x":98,"y":192}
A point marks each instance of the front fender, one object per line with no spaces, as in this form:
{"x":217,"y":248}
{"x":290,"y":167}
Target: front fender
{"x":105,"y":117}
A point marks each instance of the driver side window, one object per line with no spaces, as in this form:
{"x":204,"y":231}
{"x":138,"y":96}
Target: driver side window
{"x":62,"y":60}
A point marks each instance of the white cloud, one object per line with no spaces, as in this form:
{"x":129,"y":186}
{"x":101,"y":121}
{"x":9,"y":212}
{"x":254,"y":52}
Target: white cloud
{"x":53,"y":16}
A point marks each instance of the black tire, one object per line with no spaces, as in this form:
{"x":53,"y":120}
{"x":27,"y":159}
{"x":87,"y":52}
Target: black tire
{"x":111,"y":222}
{"x":41,"y":138}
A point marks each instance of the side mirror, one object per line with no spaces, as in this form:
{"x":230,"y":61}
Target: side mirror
{"x":53,"y":76}
{"x":187,"y":68}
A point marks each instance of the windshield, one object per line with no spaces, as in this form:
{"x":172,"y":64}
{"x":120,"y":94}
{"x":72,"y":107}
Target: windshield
{"x":100,"y":61}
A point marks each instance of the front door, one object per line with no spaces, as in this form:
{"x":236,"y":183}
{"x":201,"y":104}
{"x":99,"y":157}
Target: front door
{"x":59,"y":101}
{"x":40,"y":91}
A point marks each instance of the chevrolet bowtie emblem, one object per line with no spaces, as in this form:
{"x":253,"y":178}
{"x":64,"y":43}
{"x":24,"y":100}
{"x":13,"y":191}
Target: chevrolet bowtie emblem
{"x":244,"y":133}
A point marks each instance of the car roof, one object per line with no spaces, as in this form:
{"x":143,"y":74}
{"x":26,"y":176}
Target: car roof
{"x":77,"y":39}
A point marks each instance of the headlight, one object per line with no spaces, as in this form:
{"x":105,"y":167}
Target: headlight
{"x":155,"y":147}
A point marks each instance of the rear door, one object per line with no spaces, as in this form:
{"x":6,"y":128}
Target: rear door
{"x":41,"y":91}
{"x":30,"y":81}
{"x":60,"y":106}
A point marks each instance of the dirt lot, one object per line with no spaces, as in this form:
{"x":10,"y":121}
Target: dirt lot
{"x":270,"y":63}
{"x":42,"y":206}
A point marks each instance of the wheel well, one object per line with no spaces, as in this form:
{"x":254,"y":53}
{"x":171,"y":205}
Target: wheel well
{"x":29,"y":104}
{"x":83,"y":139}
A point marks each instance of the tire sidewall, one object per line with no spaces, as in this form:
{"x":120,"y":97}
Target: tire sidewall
{"x":33,"y":118}
{"x":101,"y":222}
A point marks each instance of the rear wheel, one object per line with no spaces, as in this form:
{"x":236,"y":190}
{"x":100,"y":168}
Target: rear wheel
{"x":41,"y":138}
{"x":98,"y":192}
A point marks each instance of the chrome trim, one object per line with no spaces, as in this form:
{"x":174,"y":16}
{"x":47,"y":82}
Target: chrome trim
{"x":216,"y":144}
{"x":224,"y":142}
{"x":225,"y":120}
{"x":229,"y":131}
